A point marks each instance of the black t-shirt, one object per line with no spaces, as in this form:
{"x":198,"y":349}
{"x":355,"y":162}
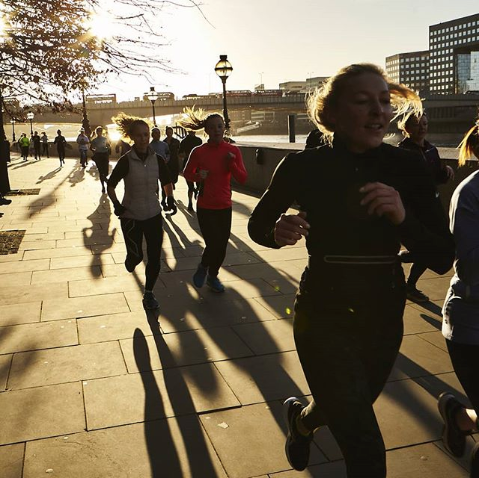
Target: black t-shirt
{"x":187,"y":145}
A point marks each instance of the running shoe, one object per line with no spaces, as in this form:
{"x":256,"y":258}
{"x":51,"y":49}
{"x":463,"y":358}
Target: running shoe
{"x":4,"y":201}
{"x":150,"y":302}
{"x":297,"y":445}
{"x":215,"y":284}
{"x":416,"y":295}
{"x":453,"y":437}
{"x":474,"y":473}
{"x":199,"y":277}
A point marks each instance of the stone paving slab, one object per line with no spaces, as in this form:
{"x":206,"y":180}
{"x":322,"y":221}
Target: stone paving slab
{"x":435,"y":338}
{"x":418,"y":357}
{"x":268,"y":337}
{"x":65,"y":275}
{"x":109,"y":285}
{"x":55,"y":253}
{"x":37,"y":336}
{"x":245,"y":453}
{"x":264,"y":378}
{"x":106,"y":328}
{"x":281,"y":306}
{"x":185,"y":348}
{"x":81,"y":261}
{"x":11,"y":460}
{"x":62,"y":365}
{"x":10,"y":295}
{"x":58,"y":309}
{"x":37,"y":245}
{"x":41,"y":412}
{"x":25,"y":266}
{"x":5,"y":362}
{"x":18,"y":279}
{"x":418,"y":321}
{"x":175,"y":447}
{"x":147,"y":396}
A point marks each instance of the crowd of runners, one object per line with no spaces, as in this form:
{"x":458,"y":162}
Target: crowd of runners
{"x":364,"y":208}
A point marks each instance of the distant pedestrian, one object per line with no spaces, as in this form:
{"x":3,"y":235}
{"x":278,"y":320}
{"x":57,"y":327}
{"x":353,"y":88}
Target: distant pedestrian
{"x":122,"y":147}
{"x":101,"y":155}
{"x":61,"y":143}
{"x":4,"y":180}
{"x":314,"y":139}
{"x":32,"y":148}
{"x":37,"y":145}
{"x":173,"y":163}
{"x":161,"y":148}
{"x":83,"y":143}
{"x":186,"y":146}
{"x":44,"y":139}
{"x":213,"y":164}
{"x":414,"y":129}
{"x":359,"y":198}
{"x":460,"y":311}
{"x":24,"y":144}
{"x":140,"y":211}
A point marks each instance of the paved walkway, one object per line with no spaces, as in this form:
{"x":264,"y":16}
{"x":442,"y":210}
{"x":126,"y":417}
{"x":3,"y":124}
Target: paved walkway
{"x":92,"y":388}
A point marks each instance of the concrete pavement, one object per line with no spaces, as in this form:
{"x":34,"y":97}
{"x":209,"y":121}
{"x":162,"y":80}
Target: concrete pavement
{"x":92,"y":387}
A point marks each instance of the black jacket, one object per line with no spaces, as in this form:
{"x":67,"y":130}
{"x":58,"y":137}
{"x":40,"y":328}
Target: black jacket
{"x":325,"y":183}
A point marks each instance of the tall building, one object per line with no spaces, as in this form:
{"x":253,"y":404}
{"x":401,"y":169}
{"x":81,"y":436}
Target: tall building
{"x":454,"y":56}
{"x":410,"y":68}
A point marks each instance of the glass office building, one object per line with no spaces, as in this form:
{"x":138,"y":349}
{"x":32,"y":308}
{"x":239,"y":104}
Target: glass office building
{"x":454,"y":56}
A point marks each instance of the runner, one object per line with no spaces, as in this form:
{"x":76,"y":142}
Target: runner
{"x":186,"y":146}
{"x":101,"y":155}
{"x":140,"y":211}
{"x":348,"y":312}
{"x":212,"y":165}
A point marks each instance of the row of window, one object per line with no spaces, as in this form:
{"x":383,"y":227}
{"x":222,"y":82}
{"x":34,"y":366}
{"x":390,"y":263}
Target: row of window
{"x":454,"y":35}
{"x":454,"y":28}
{"x":455,"y":42}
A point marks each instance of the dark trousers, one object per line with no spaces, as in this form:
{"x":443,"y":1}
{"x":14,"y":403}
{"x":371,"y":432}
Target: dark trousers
{"x":215,"y":226}
{"x":36,"y":149}
{"x":133,"y":232}
{"x":45,"y":149}
{"x":83,"y":157}
{"x":464,"y":358}
{"x":102,"y":164}
{"x":61,"y":154}
{"x":24,"y":150}
{"x":347,"y":341}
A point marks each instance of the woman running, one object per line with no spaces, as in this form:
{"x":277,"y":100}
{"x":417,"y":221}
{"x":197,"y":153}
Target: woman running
{"x":61,"y":143}
{"x":101,"y":155}
{"x":414,"y":129}
{"x":186,"y":146}
{"x":371,"y":197}
{"x":212,"y":164}
{"x":460,"y":325}
{"x":140,"y":211}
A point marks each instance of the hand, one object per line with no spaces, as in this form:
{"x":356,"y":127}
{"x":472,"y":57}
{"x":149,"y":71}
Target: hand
{"x":383,"y":200}
{"x":171,"y":203}
{"x":203,"y":173}
{"x":450,"y":173}
{"x":119,"y":209}
{"x":230,"y":156}
{"x":290,"y":228}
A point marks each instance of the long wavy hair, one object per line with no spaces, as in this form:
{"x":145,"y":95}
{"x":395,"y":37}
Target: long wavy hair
{"x":325,"y":98}
{"x":469,"y":145}
{"x":196,"y":118}
{"x":127,"y":124}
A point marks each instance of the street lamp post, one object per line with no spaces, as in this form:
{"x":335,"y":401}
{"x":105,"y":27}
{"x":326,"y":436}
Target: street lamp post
{"x":13,"y":129}
{"x":85,"y":121}
{"x":153,"y":96}
{"x":30,"y":117}
{"x":223,"y":69}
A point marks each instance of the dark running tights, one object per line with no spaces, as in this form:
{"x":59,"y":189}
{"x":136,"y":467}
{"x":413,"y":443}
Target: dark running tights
{"x":416,"y":271}
{"x":347,"y":356}
{"x":152,"y":230}
{"x":464,"y":359}
{"x":215,"y":225}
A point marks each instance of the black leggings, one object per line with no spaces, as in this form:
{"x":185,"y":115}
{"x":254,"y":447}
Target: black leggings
{"x":133,"y":232}
{"x":215,"y":225}
{"x":464,"y":360}
{"x":45,"y":149}
{"x":102,"y":164}
{"x":347,"y":346}
{"x":416,"y":271}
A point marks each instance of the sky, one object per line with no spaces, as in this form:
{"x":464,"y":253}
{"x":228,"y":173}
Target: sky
{"x":276,"y":40}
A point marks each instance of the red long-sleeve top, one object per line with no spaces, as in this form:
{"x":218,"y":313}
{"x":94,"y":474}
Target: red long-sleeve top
{"x":222,"y":161}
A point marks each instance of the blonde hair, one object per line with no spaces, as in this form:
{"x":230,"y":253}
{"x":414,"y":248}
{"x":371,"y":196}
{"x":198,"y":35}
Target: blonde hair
{"x":325,"y":98}
{"x":196,"y":119}
{"x":127,"y":124}
{"x":468,"y":144}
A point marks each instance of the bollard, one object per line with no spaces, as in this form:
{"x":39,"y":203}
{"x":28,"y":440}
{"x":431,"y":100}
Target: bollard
{"x":292,"y":128}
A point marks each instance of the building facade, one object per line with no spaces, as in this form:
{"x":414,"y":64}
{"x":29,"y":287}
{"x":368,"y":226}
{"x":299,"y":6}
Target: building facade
{"x":410,"y":68}
{"x":454,"y":56}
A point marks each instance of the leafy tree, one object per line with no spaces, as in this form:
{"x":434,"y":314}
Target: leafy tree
{"x":49,"y":48}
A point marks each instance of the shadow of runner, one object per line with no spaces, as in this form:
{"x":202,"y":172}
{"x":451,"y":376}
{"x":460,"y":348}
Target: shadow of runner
{"x":49,"y":175}
{"x":164,"y":457}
